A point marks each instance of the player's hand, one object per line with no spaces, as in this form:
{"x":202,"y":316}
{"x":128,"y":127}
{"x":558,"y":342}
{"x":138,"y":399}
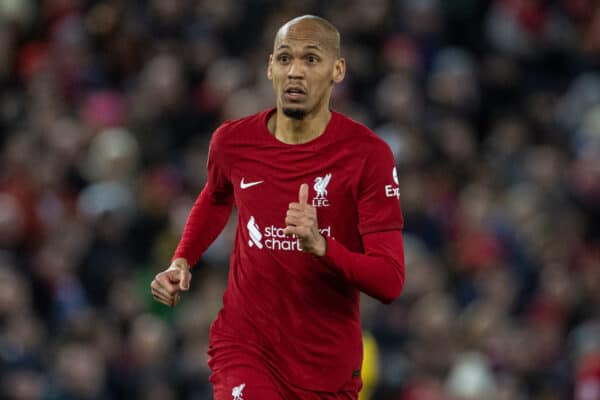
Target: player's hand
{"x":167,"y":284}
{"x":301,"y":220}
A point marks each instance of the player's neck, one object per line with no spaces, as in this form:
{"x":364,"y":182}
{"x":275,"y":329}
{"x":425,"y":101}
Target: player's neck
{"x":298,"y":131}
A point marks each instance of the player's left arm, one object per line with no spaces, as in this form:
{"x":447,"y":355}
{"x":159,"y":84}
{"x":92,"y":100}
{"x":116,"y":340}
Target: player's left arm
{"x":379,"y":271}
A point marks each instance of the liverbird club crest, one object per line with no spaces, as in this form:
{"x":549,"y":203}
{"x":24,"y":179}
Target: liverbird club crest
{"x":320,"y":186}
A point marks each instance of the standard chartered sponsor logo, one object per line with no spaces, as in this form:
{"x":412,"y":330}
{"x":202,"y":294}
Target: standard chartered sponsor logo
{"x":273,"y":238}
{"x":254,"y":232}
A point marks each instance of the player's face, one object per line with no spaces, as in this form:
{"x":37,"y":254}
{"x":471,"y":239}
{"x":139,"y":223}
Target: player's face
{"x":303,"y":68}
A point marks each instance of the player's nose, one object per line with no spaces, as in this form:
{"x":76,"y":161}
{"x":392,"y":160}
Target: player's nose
{"x":296,"y":70}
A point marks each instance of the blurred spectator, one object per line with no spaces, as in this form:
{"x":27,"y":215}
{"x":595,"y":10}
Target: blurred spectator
{"x":79,"y":373}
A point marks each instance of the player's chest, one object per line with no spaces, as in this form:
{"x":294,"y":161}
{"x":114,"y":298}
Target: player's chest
{"x":267,"y":183}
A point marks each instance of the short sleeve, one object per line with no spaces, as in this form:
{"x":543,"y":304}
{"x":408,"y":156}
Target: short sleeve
{"x":218,"y":181}
{"x":378,"y":193}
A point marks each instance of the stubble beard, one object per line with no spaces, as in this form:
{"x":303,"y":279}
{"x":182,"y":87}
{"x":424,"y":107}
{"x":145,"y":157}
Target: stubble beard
{"x":295,"y":113}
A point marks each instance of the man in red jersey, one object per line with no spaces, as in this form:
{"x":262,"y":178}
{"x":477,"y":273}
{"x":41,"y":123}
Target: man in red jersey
{"x":319,"y":221}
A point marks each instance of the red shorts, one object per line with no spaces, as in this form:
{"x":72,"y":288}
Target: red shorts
{"x":248,"y":382}
{"x":238,"y":372}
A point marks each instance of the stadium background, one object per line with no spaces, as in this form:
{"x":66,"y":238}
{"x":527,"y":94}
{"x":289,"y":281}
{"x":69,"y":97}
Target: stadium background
{"x":492,"y":109}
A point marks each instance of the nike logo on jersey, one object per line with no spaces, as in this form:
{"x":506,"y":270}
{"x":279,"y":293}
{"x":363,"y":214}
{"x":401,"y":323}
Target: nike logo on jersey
{"x":246,"y":185}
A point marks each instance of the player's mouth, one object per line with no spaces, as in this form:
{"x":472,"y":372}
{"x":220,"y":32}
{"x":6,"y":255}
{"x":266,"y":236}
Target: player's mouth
{"x":294,"y":93}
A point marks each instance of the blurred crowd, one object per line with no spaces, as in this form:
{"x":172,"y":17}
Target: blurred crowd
{"x":492,"y":109}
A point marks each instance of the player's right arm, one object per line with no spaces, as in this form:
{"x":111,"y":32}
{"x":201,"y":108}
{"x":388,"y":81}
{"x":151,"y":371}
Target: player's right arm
{"x":207,"y":219}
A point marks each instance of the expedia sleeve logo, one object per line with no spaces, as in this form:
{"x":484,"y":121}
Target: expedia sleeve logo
{"x":391,"y":190}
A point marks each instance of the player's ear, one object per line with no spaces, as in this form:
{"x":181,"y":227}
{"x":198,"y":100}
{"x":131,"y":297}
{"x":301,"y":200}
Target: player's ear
{"x":270,"y":67}
{"x":339,"y":70}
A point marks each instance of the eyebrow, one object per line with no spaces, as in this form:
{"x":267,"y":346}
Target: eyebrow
{"x":308,"y":46}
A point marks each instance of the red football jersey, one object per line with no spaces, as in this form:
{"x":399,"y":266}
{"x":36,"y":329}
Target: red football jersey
{"x":285,"y":306}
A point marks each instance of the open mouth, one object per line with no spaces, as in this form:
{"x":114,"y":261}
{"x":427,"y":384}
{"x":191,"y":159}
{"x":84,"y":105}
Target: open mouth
{"x":295,"y":93}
